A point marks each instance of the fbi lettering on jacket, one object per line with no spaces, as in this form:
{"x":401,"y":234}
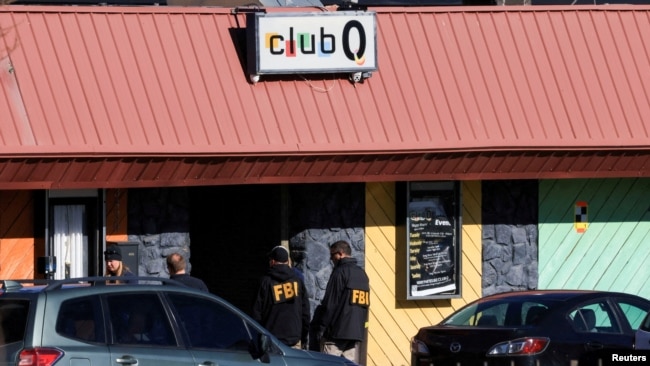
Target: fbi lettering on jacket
{"x":360,"y":297}
{"x":286,"y":291}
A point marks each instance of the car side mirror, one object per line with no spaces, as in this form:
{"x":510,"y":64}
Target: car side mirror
{"x":260,"y":348}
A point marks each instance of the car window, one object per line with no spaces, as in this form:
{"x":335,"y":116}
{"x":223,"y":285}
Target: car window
{"x":492,"y":316}
{"x":594,"y":318}
{"x":138,"y":319}
{"x":509,"y":314}
{"x":533,"y":313}
{"x":13,"y":320}
{"x":209,"y":324}
{"x":645,"y":325}
{"x":81,"y":319}
{"x":633,"y":313}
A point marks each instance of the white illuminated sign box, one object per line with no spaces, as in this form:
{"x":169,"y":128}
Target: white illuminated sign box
{"x":319,"y":42}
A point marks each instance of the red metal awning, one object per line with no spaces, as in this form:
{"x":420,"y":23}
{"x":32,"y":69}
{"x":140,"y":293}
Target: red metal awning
{"x":128,"y":96}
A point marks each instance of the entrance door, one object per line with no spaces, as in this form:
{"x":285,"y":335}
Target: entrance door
{"x":70,"y":241}
{"x":73,"y":238}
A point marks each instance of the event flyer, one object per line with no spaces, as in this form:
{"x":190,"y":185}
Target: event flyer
{"x":431,"y":249}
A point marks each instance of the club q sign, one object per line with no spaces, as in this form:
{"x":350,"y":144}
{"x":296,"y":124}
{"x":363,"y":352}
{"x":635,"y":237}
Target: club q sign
{"x":319,"y":42}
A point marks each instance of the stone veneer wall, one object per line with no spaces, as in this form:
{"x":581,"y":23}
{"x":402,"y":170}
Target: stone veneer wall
{"x":510,"y":236}
{"x":158,"y":219}
{"x":319,"y":215}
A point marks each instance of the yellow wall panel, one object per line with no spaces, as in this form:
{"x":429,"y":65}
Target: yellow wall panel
{"x":393,"y":319}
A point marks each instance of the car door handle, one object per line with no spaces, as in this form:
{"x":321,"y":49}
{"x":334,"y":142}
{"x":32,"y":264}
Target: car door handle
{"x":208,"y":363}
{"x":127,"y":360}
{"x":594,"y":345}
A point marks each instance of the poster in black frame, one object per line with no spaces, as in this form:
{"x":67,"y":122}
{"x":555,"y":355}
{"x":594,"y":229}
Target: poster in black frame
{"x":433,"y":223}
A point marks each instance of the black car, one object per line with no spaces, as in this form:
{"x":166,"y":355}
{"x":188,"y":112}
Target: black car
{"x":545,"y":327}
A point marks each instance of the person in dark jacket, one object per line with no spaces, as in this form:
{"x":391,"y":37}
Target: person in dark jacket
{"x":282,"y":304}
{"x":176,"y":266}
{"x":343,"y":313}
{"x":114,"y":265}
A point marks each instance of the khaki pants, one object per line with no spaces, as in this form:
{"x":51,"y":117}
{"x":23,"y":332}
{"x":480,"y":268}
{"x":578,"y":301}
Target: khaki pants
{"x":340,"y":347}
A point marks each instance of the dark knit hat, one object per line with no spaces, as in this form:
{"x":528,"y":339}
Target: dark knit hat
{"x":279,"y":254}
{"x":113,"y":253}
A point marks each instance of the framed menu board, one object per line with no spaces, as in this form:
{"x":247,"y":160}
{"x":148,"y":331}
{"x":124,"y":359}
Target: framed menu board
{"x":433,"y":240}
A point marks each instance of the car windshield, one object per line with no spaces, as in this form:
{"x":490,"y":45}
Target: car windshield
{"x":501,"y":313}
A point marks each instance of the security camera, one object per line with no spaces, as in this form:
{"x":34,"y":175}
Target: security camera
{"x":356,"y":77}
{"x":254,"y":78}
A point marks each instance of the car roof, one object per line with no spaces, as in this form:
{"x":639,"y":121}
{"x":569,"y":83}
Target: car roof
{"x":45,"y":285}
{"x":556,"y":295}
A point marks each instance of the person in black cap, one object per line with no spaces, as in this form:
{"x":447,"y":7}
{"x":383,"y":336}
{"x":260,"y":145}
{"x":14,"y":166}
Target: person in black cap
{"x":176,"y":266}
{"x":114,"y":265}
{"x":282,"y":304}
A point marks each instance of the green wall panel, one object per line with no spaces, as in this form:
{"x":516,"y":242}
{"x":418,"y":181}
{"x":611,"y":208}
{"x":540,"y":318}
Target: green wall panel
{"x":613,"y":253}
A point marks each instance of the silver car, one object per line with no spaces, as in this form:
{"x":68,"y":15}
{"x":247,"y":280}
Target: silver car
{"x":152,"y":322}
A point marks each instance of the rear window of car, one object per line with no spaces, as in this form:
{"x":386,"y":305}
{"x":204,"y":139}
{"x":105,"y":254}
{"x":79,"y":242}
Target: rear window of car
{"x":13,"y":319}
{"x":81,"y":319}
{"x":633,"y":313}
{"x":501,"y":314}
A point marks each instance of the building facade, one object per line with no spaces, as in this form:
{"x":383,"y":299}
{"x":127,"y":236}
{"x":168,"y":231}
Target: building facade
{"x":141,"y":126}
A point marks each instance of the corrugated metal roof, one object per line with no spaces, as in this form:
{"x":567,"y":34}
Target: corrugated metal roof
{"x":136,"y":82}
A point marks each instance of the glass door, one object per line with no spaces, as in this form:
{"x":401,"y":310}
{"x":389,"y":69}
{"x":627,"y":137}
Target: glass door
{"x":74,"y":223}
{"x":70,"y":241}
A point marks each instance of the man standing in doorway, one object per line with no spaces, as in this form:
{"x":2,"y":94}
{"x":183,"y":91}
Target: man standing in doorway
{"x":343,"y":318}
{"x":176,"y":266}
{"x":282,"y":304}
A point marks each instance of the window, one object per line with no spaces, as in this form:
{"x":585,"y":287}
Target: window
{"x":645,"y":325}
{"x":501,"y":313}
{"x":139,"y":319}
{"x":594,"y":318}
{"x":81,"y":319}
{"x":209,"y":324}
{"x":633,"y":313}
{"x":13,"y":320}
{"x":433,"y":240}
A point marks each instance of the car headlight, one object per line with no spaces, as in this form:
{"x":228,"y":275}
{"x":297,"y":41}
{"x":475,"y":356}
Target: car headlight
{"x":520,"y":347}
{"x":418,"y":347}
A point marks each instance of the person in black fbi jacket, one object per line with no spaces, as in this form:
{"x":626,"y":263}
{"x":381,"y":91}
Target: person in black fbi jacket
{"x":343,"y":313}
{"x":282,"y":304}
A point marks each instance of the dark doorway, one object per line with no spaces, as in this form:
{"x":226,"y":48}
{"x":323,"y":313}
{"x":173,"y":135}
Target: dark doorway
{"x":232,"y":228}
